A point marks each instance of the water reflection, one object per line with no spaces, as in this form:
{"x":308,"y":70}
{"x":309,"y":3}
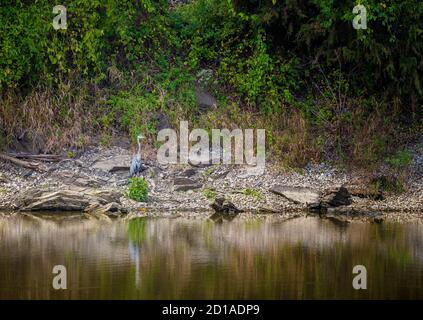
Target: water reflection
{"x":221,"y":258}
{"x":136,"y":235}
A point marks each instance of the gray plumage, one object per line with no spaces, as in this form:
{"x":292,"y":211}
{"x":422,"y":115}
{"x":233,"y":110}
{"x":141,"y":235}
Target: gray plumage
{"x":136,"y":164}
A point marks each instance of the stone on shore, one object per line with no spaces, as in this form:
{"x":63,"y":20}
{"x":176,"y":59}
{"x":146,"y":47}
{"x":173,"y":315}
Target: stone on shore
{"x":298,"y":195}
{"x":221,"y":205}
{"x":113,"y":164}
{"x":70,"y":199}
{"x":336,"y":197}
{"x":185,"y":184}
{"x":112,"y":209}
{"x":78,"y":179}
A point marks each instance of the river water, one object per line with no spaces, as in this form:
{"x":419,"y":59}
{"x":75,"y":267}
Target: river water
{"x":187,"y":258}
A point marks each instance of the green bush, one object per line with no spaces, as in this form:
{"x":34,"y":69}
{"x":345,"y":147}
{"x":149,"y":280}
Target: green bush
{"x":138,"y":189}
{"x":258,"y":46}
{"x":385,"y":57}
{"x":99,"y":34}
{"x":401,"y":160}
{"x":120,"y":63}
{"x":253,"y":193}
{"x":209,"y":194}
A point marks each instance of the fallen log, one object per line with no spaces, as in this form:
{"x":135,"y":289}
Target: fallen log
{"x":38,"y":157}
{"x":24,"y":164}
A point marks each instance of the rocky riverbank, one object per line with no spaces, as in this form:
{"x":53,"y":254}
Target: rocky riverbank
{"x":96,"y":182}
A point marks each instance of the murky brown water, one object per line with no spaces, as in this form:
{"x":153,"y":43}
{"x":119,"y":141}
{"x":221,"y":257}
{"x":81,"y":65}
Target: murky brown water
{"x":201,"y":259}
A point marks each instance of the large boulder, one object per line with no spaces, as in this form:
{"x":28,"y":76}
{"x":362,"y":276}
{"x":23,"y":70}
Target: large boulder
{"x":314,"y":200}
{"x":70,"y":199}
{"x":222,"y":205}
{"x":185,"y":184}
{"x":299,"y":195}
{"x":113,"y":164}
{"x":112,"y":209}
{"x":336,"y":197}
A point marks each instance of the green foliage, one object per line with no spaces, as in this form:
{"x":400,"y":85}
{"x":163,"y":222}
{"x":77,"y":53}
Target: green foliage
{"x":209,"y":194}
{"x":257,"y":46}
{"x":138,"y":189}
{"x":71,"y":154}
{"x":253,"y":193}
{"x":100,"y":33}
{"x":214,"y":35}
{"x":387,"y":55}
{"x":402,"y":159}
{"x":326,"y":87}
{"x":136,"y":230}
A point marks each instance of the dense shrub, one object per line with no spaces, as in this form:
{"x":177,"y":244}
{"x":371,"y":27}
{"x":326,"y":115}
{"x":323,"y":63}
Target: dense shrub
{"x":260,"y":44}
{"x":294,"y":67}
{"x":138,"y":189}
{"x":99,"y":34}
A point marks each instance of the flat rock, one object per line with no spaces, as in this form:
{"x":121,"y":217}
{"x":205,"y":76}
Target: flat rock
{"x":298,"y":195}
{"x":71,"y":199}
{"x":77,"y":179}
{"x":185,"y":184}
{"x":181,"y":181}
{"x":188,"y":187}
{"x":188,"y":173}
{"x":113,"y":164}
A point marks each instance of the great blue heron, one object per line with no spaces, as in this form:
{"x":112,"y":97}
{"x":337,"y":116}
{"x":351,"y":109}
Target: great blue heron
{"x":136,"y":164}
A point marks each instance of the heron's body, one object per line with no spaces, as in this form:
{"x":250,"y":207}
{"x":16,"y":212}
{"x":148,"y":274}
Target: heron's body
{"x":136,"y":164}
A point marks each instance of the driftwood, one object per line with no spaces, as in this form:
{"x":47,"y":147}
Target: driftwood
{"x":37,"y":157}
{"x":25,"y":164}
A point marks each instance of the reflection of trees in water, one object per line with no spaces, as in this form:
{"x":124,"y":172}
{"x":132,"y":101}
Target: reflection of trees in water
{"x":294,"y":259}
{"x":189,"y":258}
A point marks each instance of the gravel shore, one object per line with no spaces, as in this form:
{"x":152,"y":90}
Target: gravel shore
{"x":180,"y":189}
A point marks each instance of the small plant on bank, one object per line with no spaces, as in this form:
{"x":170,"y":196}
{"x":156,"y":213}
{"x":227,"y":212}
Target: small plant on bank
{"x":71,"y":154}
{"x":138,"y":189}
{"x":209,"y":171}
{"x":253,"y":193}
{"x":209,"y":194}
{"x":390,"y":184}
{"x":402,"y":159}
